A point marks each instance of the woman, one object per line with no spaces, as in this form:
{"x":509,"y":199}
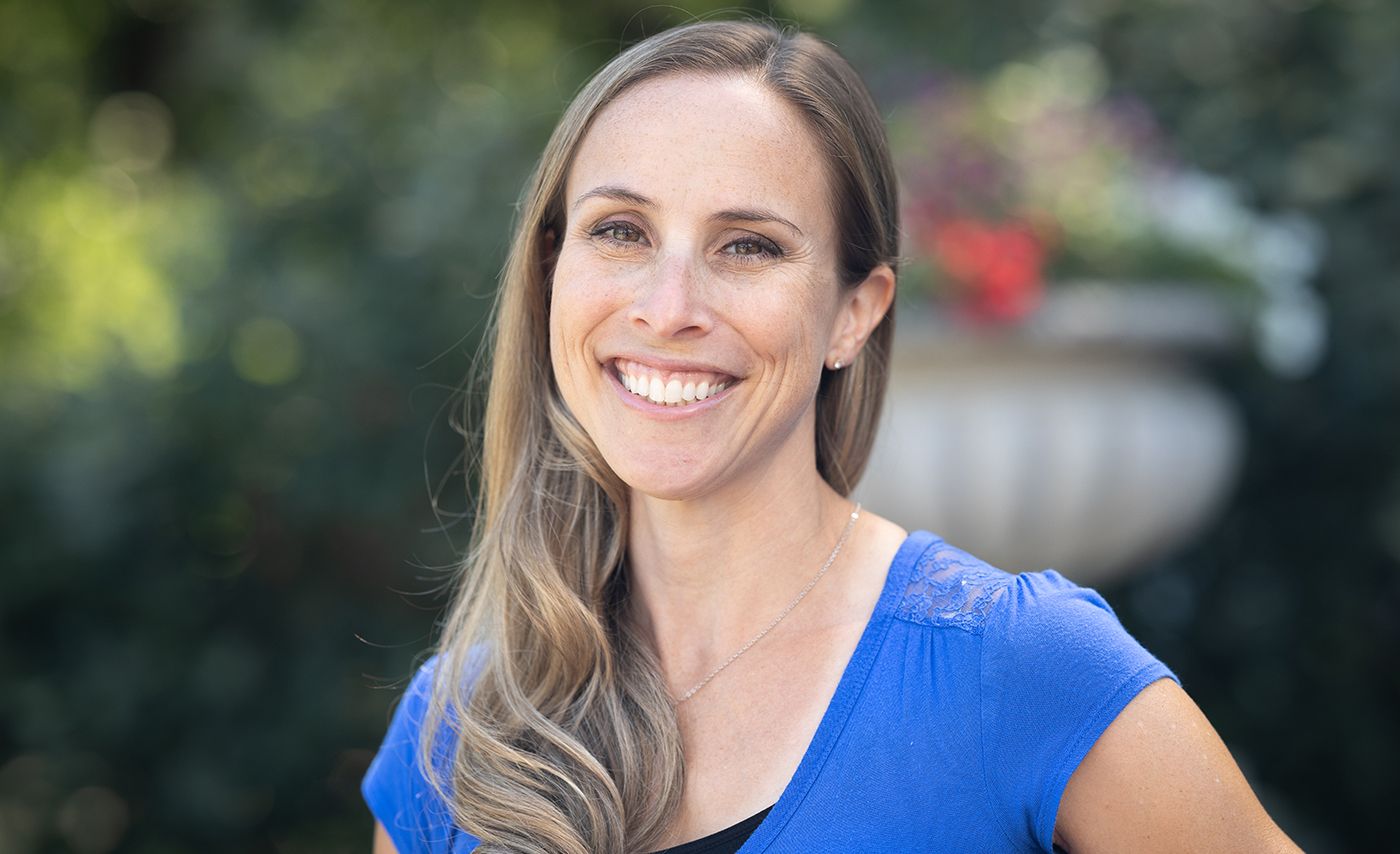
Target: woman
{"x":674,"y":630}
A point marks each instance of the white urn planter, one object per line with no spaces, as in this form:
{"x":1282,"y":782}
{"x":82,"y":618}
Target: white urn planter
{"x":1081,"y":441}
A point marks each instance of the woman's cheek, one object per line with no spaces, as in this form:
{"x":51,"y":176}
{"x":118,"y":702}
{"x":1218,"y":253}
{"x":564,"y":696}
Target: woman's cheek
{"x":586,"y":282}
{"x":801,"y":319}
{"x":570,"y":304}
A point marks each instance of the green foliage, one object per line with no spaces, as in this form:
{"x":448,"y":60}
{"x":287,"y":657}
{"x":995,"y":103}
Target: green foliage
{"x":246,"y":252}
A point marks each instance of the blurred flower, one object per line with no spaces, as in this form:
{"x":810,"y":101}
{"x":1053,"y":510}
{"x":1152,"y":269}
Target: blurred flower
{"x":1034,"y":175}
{"x":997,"y":265}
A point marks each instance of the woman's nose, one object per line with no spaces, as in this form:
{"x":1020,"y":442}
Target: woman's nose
{"x":671,"y":303}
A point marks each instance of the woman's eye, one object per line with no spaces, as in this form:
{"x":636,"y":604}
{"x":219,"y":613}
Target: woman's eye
{"x":619,"y":232}
{"x":755,"y":248}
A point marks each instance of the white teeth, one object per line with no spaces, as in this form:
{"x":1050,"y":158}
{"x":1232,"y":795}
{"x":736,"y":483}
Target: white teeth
{"x":672,"y":393}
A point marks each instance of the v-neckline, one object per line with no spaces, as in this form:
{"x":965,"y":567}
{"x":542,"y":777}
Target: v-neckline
{"x":848,"y":690}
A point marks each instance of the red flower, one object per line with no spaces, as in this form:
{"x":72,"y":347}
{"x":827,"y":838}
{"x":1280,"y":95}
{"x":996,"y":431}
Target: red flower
{"x":996,"y":267}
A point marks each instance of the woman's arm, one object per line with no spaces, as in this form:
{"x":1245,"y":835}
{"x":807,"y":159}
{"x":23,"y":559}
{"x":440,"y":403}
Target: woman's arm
{"x":1160,"y":779}
{"x":382,"y":843}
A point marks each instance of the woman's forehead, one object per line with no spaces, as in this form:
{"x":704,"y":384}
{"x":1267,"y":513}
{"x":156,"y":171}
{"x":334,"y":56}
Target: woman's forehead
{"x":693,"y":143}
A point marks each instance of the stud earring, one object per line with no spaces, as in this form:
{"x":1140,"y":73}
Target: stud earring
{"x":837,"y":366}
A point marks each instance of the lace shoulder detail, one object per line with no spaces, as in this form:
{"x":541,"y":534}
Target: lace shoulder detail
{"x":949,"y":587}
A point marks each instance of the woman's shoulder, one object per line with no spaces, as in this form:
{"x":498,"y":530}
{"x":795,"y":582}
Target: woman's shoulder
{"x":1047,"y":666}
{"x":397,"y":787}
{"x":1036,"y":625}
{"x":948,"y":586}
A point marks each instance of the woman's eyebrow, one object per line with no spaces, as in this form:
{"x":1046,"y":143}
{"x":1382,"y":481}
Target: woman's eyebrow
{"x":622,"y":194}
{"x":753,"y":215}
{"x":618,"y":194}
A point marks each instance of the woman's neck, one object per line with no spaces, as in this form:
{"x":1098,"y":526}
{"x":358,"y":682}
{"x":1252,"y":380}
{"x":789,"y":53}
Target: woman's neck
{"x":709,"y":573}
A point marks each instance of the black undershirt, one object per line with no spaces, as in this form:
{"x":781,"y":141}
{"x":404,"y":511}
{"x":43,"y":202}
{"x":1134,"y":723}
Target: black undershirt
{"x":732,"y":838}
{"x":726,"y":841}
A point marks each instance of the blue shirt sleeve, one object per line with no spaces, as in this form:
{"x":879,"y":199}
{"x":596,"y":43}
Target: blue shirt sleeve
{"x":1057,"y":668}
{"x":395,"y":787}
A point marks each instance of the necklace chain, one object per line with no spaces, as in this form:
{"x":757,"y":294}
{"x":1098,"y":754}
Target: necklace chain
{"x":855,"y":514}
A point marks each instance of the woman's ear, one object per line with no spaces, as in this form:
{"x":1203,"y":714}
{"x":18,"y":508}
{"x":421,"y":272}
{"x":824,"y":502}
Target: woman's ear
{"x":862,"y":309}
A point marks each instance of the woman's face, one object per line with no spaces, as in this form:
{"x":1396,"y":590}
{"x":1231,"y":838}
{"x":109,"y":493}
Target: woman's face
{"x":695,"y":294}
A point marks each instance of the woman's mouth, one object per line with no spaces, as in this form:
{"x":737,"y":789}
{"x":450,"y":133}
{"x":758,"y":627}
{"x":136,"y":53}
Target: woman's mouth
{"x":669,"y":388}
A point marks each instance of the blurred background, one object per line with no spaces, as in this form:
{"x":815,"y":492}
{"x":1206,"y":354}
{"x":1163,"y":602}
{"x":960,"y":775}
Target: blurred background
{"x":1149,"y":335}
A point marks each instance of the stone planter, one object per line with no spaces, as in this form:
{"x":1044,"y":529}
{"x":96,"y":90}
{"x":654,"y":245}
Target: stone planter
{"x":1081,"y":441}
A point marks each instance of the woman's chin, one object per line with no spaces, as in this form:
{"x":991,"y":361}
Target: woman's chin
{"x":668,"y":483}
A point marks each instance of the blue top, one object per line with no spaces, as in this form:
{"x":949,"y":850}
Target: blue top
{"x":970,"y":699}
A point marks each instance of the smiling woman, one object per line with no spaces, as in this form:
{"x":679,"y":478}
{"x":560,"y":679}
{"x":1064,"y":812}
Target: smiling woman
{"x":700,"y":253}
{"x":673,"y":628}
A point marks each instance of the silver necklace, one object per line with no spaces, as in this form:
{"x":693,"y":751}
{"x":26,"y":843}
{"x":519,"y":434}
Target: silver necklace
{"x":855,"y":514}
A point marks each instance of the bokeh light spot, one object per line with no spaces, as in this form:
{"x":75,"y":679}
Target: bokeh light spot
{"x":283,"y":171}
{"x":266,"y":351}
{"x":93,"y":820}
{"x":88,"y":289}
{"x":133,"y":131}
{"x":1018,"y":92}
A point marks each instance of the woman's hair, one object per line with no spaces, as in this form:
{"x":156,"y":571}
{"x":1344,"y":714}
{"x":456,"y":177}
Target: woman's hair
{"x":550,"y":727}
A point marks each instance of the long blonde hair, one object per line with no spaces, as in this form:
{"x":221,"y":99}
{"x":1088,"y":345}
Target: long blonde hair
{"x":550,"y":728}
